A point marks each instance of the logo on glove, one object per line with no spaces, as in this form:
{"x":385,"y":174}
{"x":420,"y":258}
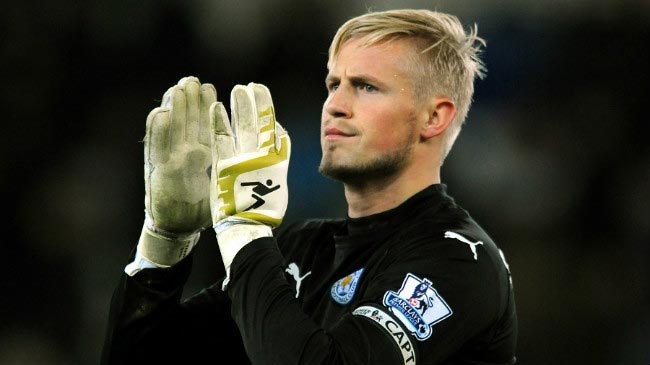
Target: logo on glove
{"x":260,"y":190}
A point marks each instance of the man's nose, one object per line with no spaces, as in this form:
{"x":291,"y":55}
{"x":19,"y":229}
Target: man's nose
{"x":338,"y":104}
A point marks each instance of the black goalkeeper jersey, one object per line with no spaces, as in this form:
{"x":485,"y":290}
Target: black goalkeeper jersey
{"x":419,"y":284}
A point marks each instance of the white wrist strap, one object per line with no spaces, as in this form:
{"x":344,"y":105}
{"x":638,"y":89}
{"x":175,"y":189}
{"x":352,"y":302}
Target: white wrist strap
{"x":140,"y":263}
{"x":232,"y":235}
{"x":156,"y":250}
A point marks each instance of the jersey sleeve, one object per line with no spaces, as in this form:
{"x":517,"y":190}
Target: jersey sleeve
{"x":274,"y":328}
{"x":443,"y":302}
{"x":150,"y":322}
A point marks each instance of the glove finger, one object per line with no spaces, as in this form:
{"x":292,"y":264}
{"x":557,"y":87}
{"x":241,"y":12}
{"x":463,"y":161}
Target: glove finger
{"x":244,"y":118}
{"x":191,"y":85}
{"x":156,"y":140}
{"x":279,"y":129}
{"x":166,"y":100}
{"x":208,"y":97}
{"x":178,"y":117}
{"x":223,"y":140}
{"x":265,"y":114}
{"x":281,"y":133}
{"x":183,"y":81}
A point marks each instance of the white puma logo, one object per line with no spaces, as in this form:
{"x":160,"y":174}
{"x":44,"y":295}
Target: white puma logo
{"x":472,"y":245}
{"x":293,"y":269}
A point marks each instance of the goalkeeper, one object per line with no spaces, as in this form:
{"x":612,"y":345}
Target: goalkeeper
{"x":407,"y":277}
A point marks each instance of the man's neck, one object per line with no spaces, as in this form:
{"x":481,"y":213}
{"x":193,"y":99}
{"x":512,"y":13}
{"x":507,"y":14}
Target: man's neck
{"x":372,"y":197}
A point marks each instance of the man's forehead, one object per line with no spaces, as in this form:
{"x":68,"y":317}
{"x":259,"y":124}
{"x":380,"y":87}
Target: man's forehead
{"x":357,"y":56}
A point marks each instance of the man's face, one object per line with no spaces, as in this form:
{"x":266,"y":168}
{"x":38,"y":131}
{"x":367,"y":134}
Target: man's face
{"x":368,"y":122}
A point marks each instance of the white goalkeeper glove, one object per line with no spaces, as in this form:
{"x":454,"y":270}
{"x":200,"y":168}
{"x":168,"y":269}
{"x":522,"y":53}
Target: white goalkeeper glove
{"x":248,"y":194}
{"x":177,"y":160}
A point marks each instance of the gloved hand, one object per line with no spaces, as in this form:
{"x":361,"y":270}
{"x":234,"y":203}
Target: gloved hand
{"x":177,"y":160}
{"x":248,"y":194}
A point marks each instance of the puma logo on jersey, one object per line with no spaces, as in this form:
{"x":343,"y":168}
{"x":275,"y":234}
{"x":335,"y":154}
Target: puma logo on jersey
{"x":294,"y":271}
{"x":472,"y":245}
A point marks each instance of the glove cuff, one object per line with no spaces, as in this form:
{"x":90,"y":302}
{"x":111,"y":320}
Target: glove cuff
{"x":233,"y":234}
{"x":164,"y":250}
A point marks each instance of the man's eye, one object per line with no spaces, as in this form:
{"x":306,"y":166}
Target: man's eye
{"x":369,"y":88}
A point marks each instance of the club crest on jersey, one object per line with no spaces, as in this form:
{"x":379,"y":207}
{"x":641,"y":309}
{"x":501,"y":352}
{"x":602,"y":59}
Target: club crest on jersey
{"x":343,"y":289}
{"x":417,"y":305}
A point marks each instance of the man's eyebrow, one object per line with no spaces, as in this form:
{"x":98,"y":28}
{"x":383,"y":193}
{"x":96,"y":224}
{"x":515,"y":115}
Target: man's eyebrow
{"x":364,"y":79}
{"x":355,"y":79}
{"x":331,"y":78}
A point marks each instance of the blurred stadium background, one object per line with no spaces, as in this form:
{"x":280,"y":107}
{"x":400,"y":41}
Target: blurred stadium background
{"x":554,"y":160}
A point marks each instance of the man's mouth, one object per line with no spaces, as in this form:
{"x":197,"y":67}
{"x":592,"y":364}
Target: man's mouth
{"x":334,"y":134}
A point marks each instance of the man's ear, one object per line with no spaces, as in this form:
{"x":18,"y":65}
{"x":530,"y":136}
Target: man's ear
{"x":441,"y":112}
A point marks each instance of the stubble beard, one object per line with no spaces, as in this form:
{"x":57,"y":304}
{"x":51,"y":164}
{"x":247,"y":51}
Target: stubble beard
{"x":378,"y":168}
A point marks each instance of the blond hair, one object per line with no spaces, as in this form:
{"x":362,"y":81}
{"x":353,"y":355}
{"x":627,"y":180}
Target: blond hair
{"x":447,"y":59}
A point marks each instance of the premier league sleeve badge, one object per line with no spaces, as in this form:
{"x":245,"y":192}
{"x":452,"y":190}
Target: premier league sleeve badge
{"x":417,"y":305}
